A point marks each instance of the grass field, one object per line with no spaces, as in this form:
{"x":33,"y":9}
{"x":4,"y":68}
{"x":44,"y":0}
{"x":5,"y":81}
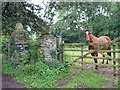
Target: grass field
{"x":85,"y":59}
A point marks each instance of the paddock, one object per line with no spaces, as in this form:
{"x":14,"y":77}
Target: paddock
{"x":78,"y":56}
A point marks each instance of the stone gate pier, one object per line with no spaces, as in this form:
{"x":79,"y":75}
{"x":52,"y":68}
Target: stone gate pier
{"x":47,"y":45}
{"x":18,"y":45}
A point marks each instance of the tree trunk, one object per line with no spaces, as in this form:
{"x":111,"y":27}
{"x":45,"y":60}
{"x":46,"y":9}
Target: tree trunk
{"x":110,"y":10}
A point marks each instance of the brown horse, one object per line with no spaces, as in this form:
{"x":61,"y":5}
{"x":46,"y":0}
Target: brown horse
{"x":92,"y":39}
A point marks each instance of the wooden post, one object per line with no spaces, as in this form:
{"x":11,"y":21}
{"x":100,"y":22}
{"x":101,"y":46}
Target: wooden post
{"x":8,"y":48}
{"x":16,"y":55}
{"x":114,"y":62}
{"x":82,"y":55}
{"x":60,"y":47}
{"x":62,"y":54}
{"x":119,"y":63}
{"x":13,"y":52}
{"x":59,"y":43}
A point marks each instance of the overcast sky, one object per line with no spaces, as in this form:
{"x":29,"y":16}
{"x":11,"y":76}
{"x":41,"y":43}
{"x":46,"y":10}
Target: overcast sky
{"x":41,"y":3}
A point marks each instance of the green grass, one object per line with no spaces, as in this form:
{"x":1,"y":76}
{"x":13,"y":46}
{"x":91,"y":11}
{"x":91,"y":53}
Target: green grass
{"x":46,"y":74}
{"x":36,"y":74}
{"x":85,"y":59}
{"x":87,"y":80}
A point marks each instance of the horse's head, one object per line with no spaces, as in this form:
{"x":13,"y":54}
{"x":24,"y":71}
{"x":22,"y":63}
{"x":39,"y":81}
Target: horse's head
{"x":87,"y":33}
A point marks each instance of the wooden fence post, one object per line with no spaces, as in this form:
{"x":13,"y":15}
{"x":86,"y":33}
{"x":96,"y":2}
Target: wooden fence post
{"x":119,"y":62}
{"x":57,"y":48}
{"x":62,"y":54}
{"x":114,"y":62}
{"x":82,"y":55}
{"x":59,"y":43}
{"x":8,"y":48}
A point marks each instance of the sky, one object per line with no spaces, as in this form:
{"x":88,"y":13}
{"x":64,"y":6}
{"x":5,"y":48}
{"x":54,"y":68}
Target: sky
{"x":42,"y":3}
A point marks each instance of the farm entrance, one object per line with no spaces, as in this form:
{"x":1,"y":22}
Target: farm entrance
{"x":80,"y":57}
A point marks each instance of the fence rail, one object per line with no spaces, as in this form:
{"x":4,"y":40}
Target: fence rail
{"x":113,"y":42}
{"x":79,"y":44}
{"x":102,"y":52}
{"x":93,"y":50}
{"x":89,"y":57}
{"x":83,"y":68}
{"x":84,"y":62}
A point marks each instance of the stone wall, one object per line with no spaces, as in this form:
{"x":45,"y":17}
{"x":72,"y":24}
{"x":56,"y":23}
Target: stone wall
{"x":47,"y":45}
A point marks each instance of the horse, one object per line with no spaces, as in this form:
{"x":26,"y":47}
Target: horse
{"x":92,"y":39}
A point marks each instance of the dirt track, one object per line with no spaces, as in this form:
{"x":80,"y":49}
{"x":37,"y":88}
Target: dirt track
{"x":8,"y":82}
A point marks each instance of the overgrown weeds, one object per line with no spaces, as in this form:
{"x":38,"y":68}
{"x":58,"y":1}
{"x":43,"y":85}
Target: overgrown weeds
{"x":36,"y":74}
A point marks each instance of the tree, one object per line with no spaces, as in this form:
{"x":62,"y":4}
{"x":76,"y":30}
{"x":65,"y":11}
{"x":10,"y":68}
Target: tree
{"x":13,"y":13}
{"x":101,"y":16}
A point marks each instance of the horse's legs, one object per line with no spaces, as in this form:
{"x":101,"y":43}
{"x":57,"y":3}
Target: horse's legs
{"x":96,"y":67}
{"x":95,"y":60}
{"x":108,"y":53}
{"x":103,"y":60}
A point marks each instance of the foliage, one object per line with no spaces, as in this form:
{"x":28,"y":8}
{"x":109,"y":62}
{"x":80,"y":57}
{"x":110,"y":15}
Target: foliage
{"x":55,"y":64}
{"x":4,"y":44}
{"x":33,"y":49}
{"x":35,"y":74}
{"x":24,"y":56}
{"x":103,"y":17}
{"x":107,"y":25}
{"x":41,"y":73}
{"x":23,"y":12}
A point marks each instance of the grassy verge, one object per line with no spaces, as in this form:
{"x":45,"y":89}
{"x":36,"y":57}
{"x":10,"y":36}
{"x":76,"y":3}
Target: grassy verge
{"x":88,"y":80}
{"x":37,"y":74}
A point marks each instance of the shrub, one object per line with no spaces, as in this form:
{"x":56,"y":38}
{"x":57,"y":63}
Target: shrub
{"x":37,"y":74}
{"x":4,"y":44}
